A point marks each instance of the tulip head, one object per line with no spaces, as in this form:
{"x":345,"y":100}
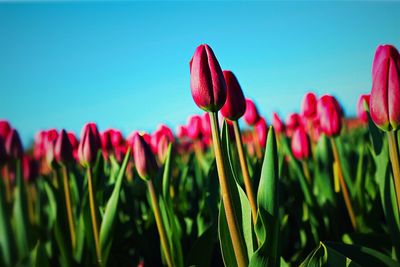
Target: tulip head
{"x":277,"y":123}
{"x":235,"y":104}
{"x":206,"y":80}
{"x":262,"y":131}
{"x":329,"y":115}
{"x":293,"y":121}
{"x":162,"y":148}
{"x":361,"y":111}
{"x":63,"y":151}
{"x":251,"y":115}
{"x":181,"y":131}
{"x":145,"y":161}
{"x":30,"y":168}
{"x":14,"y":145}
{"x":5,"y":128}
{"x":89,"y":145}
{"x":385,"y":93}
{"x":49,"y":145}
{"x":300,"y":144}
{"x":309,"y":105}
{"x":3,"y":153}
{"x":194,"y":128}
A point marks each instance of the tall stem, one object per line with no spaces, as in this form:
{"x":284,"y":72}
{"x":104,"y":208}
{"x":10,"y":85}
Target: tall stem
{"x":245,"y":171}
{"x":306,"y":171}
{"x":7,"y":184}
{"x":93,"y":213}
{"x":237,"y":240}
{"x":69,"y":206}
{"x":159,"y":222}
{"x":257,"y":143}
{"x":343,"y":186}
{"x":394,"y":159}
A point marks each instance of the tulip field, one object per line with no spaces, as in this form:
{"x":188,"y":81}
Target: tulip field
{"x":316,"y":189}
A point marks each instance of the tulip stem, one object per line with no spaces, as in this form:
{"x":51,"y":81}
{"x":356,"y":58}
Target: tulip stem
{"x":257,"y":143}
{"x":236,"y":237}
{"x":69,"y":206}
{"x":306,"y":171}
{"x":30,"y":204}
{"x":93,"y":213}
{"x":159,"y":222}
{"x":245,"y":171}
{"x":394,"y":159}
{"x":343,"y":186}
{"x":7,"y":184}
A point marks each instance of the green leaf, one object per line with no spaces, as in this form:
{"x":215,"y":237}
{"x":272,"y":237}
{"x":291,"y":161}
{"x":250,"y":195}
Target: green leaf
{"x":267,"y":223}
{"x":166,"y":181}
{"x":7,"y":246}
{"x":201,"y":252}
{"x":110,"y":214}
{"x":38,"y":257}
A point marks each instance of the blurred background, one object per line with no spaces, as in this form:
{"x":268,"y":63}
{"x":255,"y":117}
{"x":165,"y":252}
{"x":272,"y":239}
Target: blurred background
{"x":126,"y":64}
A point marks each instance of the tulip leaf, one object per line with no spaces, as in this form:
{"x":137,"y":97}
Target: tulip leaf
{"x":166,"y":181}
{"x":201,"y":252}
{"x":267,"y":223}
{"x":110,"y":214}
{"x":38,"y":257}
{"x":7,"y":246}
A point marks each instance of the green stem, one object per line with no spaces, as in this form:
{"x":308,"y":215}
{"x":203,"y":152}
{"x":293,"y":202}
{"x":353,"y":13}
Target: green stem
{"x":237,"y":239}
{"x":93,"y":213}
{"x":159,"y":222}
{"x":394,"y":159}
{"x":69,"y":206}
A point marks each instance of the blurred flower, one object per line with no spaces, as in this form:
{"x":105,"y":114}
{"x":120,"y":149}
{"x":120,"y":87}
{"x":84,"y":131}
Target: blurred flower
{"x":251,"y":115}
{"x":162,"y":148}
{"x":206,"y":80}
{"x":30,"y":169}
{"x":145,"y":162}
{"x":330,"y":115}
{"x":3,"y":153}
{"x":293,"y":121}
{"x":89,"y":145}
{"x":385,"y":93}
{"x":278,"y":125}
{"x":181,"y":131}
{"x":235,"y":104}
{"x":361,"y":112}
{"x":13,"y":145}
{"x":49,"y":145}
{"x":300,"y":144}
{"x":309,"y":105}
{"x":63,"y":151}
{"x":194,"y":127}
{"x":262,"y":131}
{"x":5,"y":128}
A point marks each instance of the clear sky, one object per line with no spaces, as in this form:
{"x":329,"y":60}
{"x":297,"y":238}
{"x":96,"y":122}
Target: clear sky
{"x":126,"y":64}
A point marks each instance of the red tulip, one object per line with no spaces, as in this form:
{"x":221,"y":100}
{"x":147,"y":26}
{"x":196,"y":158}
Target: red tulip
{"x":385,"y":93}
{"x":49,"y":145}
{"x":300,"y":144}
{"x":30,"y":169}
{"x":309,"y":105}
{"x":293,"y":121}
{"x":161,"y":131}
{"x":181,"y":131}
{"x":361,"y":112}
{"x":278,"y":125}
{"x":330,"y":115}
{"x":105,"y":138}
{"x":206,"y":125}
{"x":63,"y":151}
{"x":13,"y":145}
{"x":251,"y":115}
{"x":145,"y":162}
{"x":206,"y":80}
{"x":38,"y":146}
{"x":262,"y":131}
{"x":162,"y":148}
{"x":235,"y":104}
{"x":119,"y":152}
{"x":89,"y":145}
{"x":5,"y":128}
{"x":194,"y":127}
{"x":3,"y":153}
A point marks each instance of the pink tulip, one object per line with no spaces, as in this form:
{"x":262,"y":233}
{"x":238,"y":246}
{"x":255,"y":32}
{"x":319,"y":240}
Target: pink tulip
{"x":194,"y":127}
{"x":3,"y":153}
{"x":251,"y":115}
{"x":30,"y":169}
{"x":235,"y":104}
{"x":13,"y":145}
{"x":89,"y":145}
{"x":181,"y":131}
{"x":361,"y":112}
{"x":277,"y":123}
{"x":330,"y":115}
{"x":162,"y":148}
{"x":49,"y":145}
{"x":293,"y":121}
{"x":385,"y":93}
{"x":206,"y":80}
{"x":63,"y":150}
{"x":5,"y":128}
{"x":145,"y":162}
{"x":262,"y":131}
{"x":309,"y":105}
{"x":300,"y":144}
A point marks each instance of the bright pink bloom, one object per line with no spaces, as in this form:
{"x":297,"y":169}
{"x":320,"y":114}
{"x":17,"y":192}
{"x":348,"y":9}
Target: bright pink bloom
{"x":105,"y":138}
{"x":235,"y":104}
{"x":277,"y":123}
{"x":13,"y":145}
{"x":300,"y":144}
{"x":49,"y":145}
{"x":385,"y":93}
{"x":145,"y":162}
{"x":330,"y":115}
{"x":162,"y":148}
{"x":181,"y":131}
{"x":262,"y":131}
{"x":73,"y":140}
{"x":63,"y":151}
{"x":361,"y":112}
{"x":89,"y":145}
{"x":309,"y":105}
{"x":194,"y":127}
{"x":206,"y":80}
{"x":251,"y":115}
{"x":5,"y":128}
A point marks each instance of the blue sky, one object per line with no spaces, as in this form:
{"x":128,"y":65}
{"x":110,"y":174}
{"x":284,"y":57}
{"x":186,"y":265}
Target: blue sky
{"x":126,"y":64}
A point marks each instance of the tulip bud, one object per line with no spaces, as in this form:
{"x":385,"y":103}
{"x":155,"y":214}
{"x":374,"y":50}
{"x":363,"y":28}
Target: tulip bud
{"x":181,"y":131}
{"x":63,"y":149}
{"x":194,"y":127}
{"x":206,"y":125}
{"x":235,"y":104}
{"x":38,"y":146}
{"x":30,"y":169}
{"x":3,"y":153}
{"x":162,"y":130}
{"x":278,"y":125}
{"x":251,"y":115}
{"x":206,"y":80}
{"x":385,"y":93}
{"x":13,"y":145}
{"x":73,"y":140}
{"x":89,"y":145}
{"x":5,"y":128}
{"x":162,"y":148}
{"x":262,"y":131}
{"x":361,"y":112}
{"x":309,"y":105}
{"x":300,"y":144}
{"x":330,"y":115}
{"x":49,"y":145}
{"x":293,"y":121}
{"x":145,"y":161}
{"x":105,"y":138}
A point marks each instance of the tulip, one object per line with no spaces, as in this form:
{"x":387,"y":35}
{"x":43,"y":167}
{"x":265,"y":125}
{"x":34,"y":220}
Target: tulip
{"x":330,"y":115}
{"x":13,"y":145}
{"x":49,"y":145}
{"x":162,"y":130}
{"x":73,"y":140}
{"x":162,"y":148}
{"x":63,"y":149}
{"x":38,"y":146}
{"x":30,"y":168}
{"x":235,"y":104}
{"x":361,"y":112}
{"x":309,"y":105}
{"x":117,"y":139}
{"x":277,"y":123}
{"x":105,"y":138}
{"x":262,"y":131}
{"x":251,"y":115}
{"x":145,"y":162}
{"x":206,"y":80}
{"x":293,"y":121}
{"x":300,"y":144}
{"x":89,"y":145}
{"x":3,"y":153}
{"x":194,"y":127}
{"x":385,"y":93}
{"x":181,"y":131}
{"x":5,"y":128}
